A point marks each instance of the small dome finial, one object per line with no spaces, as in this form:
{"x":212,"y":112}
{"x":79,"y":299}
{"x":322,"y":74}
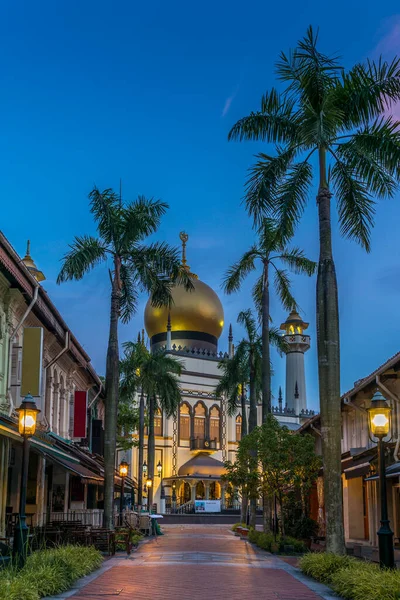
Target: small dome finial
{"x":30,"y":264}
{"x":184,"y":239}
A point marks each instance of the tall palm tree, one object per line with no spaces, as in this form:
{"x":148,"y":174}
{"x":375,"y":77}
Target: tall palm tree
{"x":131,"y":385}
{"x":233,"y":384}
{"x":159,"y":374}
{"x":270,"y":250}
{"x":122,"y":229}
{"x":340,"y":118}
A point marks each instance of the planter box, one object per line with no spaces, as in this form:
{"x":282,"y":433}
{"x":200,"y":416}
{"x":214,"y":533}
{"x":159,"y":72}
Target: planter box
{"x":244,"y":533}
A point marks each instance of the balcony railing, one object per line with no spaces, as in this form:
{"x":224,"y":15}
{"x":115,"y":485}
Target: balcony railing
{"x":203,"y":444}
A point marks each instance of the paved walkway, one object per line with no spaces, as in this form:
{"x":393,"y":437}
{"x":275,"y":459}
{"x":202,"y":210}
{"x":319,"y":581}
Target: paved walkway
{"x":203,"y":562}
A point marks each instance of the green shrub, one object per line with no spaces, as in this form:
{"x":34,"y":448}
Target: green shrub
{"x":366,"y":581}
{"x":298,"y":545}
{"x":236,"y":525}
{"x":266,"y":541}
{"x":48,"y":572}
{"x":323,"y":566}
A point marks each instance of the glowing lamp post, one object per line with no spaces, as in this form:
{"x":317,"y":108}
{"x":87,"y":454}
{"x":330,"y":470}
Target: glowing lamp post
{"x":27,"y":417}
{"x":159,"y":468}
{"x":144,"y":468}
{"x":379,"y":421}
{"x":123,"y":472}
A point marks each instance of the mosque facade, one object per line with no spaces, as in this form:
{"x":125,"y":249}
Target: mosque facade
{"x":192,"y":446}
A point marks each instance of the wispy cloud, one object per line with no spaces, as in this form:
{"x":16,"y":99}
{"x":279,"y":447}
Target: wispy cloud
{"x":228,"y":102}
{"x":389,"y":42}
{"x":388,"y":47}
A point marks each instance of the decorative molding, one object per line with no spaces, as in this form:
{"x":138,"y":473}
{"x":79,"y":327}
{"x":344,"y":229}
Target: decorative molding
{"x":174,"y":442}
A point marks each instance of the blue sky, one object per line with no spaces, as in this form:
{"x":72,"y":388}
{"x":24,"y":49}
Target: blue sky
{"x":97,"y":91}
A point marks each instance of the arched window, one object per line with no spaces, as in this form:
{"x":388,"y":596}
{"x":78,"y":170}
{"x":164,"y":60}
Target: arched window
{"x":214,"y":424}
{"x":158,"y":423}
{"x":199,"y":422}
{"x":238,"y":428}
{"x":184,"y":422}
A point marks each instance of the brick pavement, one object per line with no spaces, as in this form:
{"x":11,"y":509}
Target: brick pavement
{"x":199,"y":562}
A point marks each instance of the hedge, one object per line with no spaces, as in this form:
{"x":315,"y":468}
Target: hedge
{"x":48,"y":572}
{"x":351,"y":578}
{"x":266,"y":541}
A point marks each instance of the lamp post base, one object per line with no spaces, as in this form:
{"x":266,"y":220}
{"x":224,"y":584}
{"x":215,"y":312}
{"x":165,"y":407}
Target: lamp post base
{"x":20,"y":546}
{"x":386,"y":549}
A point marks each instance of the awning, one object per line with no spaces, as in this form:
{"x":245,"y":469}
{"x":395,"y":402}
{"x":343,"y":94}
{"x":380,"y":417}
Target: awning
{"x":85,"y":474}
{"x":391,"y":472}
{"x":357,"y":470}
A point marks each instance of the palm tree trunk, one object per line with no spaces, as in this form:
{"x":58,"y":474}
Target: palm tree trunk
{"x":151,"y":449}
{"x":266,"y":364}
{"x":111,"y":407}
{"x":329,"y":370}
{"x":253,"y":396}
{"x":244,"y":411}
{"x":141,"y":447}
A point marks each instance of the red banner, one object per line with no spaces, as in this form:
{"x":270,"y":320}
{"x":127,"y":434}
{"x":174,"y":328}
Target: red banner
{"x":80,"y":413}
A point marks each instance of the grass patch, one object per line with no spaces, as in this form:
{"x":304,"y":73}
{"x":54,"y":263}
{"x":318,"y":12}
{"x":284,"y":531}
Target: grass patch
{"x":266,"y":541}
{"x":351,"y":578}
{"x":323,"y":566}
{"x":48,"y":572}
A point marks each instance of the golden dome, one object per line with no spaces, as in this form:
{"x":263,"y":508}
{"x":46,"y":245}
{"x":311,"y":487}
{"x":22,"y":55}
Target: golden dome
{"x":199,"y":310}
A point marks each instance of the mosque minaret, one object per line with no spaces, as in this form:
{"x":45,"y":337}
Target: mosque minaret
{"x":297,"y":345}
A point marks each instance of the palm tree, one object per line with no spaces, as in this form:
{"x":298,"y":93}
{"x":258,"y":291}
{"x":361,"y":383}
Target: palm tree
{"x":270,"y":249}
{"x":131,"y":385}
{"x":159,"y":375}
{"x":134,"y":267}
{"x":339,"y":117}
{"x":233,"y":383}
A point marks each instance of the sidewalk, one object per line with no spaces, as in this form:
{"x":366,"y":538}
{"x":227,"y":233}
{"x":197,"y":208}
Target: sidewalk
{"x":203,"y":560}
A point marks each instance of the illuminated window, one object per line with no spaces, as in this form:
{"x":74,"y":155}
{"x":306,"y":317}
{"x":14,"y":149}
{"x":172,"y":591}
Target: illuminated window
{"x":238,"y":428}
{"x":214,"y":424}
{"x":158,"y":423}
{"x":199,"y":421}
{"x":184,"y":422}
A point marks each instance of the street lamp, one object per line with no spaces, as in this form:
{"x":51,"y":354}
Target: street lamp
{"x":159,"y":468}
{"x":27,"y":416}
{"x":379,"y":421}
{"x":123,"y":472}
{"x":149,"y":483}
{"x":144,"y":468}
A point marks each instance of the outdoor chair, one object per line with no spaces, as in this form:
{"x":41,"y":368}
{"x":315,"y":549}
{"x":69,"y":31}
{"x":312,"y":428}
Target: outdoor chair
{"x":103,"y":540}
{"x":145,"y":524}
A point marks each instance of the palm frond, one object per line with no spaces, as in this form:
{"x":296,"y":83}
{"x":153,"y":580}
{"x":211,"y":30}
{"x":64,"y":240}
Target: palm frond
{"x":292,"y":197}
{"x":277,"y":340}
{"x":297,"y":262}
{"x":380,"y":142}
{"x":265,"y":177}
{"x":274,"y":123}
{"x":129,"y":293}
{"x":141,"y":218}
{"x":85,"y":253}
{"x":368,"y":90}
{"x":246,"y":318}
{"x":365,"y":167}
{"x":282,"y":288}
{"x":239,"y":271}
{"x":270,"y":238}
{"x":355,"y":205}
{"x":106,"y":209}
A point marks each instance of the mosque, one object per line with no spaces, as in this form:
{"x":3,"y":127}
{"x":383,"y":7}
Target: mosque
{"x":191,"y":446}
